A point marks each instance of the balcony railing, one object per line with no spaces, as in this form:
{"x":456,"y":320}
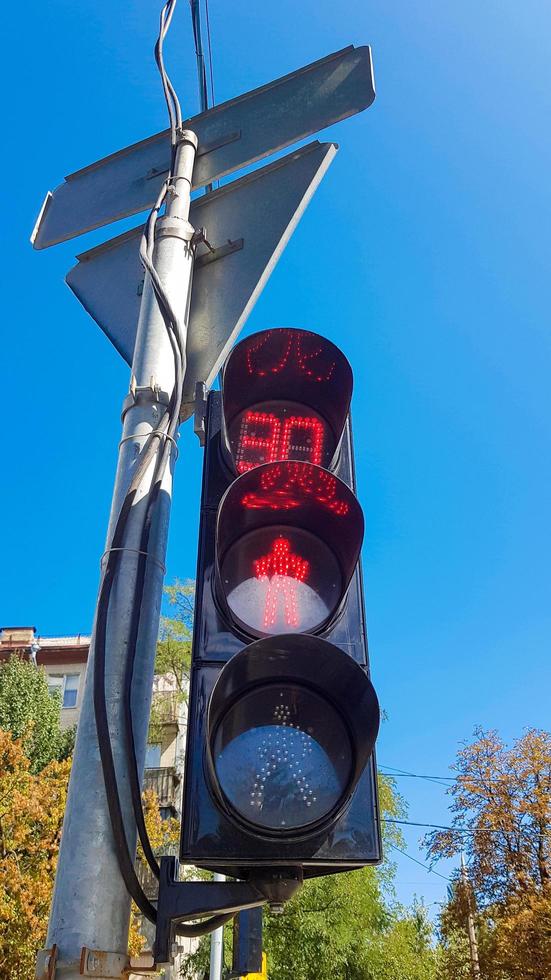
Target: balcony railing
{"x":165,"y":781}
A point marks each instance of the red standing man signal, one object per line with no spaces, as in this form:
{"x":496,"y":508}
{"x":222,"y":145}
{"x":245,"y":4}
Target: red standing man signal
{"x":282,"y":570}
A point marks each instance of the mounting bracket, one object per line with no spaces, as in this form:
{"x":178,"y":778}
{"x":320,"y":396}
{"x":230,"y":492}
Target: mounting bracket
{"x":180,"y":901}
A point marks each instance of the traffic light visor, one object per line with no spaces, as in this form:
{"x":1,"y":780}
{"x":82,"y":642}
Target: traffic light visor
{"x":288,"y":540}
{"x":292,"y":721}
{"x":286,"y":395}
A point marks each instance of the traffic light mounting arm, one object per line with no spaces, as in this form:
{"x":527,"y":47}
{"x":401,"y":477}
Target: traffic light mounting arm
{"x":180,"y":901}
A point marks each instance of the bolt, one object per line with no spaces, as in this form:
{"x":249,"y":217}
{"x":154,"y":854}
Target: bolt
{"x":92,"y":962}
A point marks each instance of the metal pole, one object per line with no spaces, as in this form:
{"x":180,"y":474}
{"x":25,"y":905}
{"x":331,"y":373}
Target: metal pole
{"x":91,"y":907}
{"x":217,"y":945}
{"x":201,"y":72}
{"x":473,"y":944}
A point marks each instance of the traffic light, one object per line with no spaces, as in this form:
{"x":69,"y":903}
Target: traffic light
{"x":283,"y":717}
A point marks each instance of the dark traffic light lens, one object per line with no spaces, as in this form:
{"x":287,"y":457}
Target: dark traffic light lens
{"x":280,"y":579}
{"x":282,"y":756}
{"x":274,"y":430}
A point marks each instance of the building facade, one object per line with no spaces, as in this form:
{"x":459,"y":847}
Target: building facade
{"x":64,"y":660}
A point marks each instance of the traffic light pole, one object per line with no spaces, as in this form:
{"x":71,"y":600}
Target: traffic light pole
{"x":91,"y":905}
{"x":217,"y":945}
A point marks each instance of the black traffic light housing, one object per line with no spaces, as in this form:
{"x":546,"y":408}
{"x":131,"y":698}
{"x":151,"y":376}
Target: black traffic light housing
{"x":257,"y":682}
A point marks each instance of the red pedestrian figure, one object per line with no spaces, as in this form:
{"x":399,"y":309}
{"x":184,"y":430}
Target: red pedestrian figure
{"x":282,"y":570}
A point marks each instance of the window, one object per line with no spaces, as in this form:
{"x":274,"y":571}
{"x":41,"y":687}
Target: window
{"x":66,"y":685}
{"x":153,"y":755}
{"x":55,"y":685}
{"x":70,"y":691}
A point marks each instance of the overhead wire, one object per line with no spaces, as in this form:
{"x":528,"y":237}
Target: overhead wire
{"x":421,"y":863}
{"x":461,"y":830}
{"x":439,"y":780}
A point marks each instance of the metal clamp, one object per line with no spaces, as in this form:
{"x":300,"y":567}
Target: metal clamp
{"x":171,"y":226}
{"x":102,"y":964}
{"x":186,"y":136}
{"x":200,"y":238}
{"x":200,"y":412}
{"x":46,"y":961}
{"x":144,"y":393}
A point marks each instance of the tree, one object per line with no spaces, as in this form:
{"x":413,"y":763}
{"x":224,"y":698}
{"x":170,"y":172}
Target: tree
{"x":501,"y":805}
{"x":31,"y":815}
{"x":173,"y":657}
{"x":31,"y":713}
{"x":174,"y":644}
{"x":346,"y":926}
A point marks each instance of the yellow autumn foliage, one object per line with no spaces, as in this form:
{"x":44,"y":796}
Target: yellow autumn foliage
{"x":31,"y":815}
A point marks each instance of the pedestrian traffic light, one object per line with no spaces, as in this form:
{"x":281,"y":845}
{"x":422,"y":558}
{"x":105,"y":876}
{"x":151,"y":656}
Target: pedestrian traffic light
{"x":283,"y":717}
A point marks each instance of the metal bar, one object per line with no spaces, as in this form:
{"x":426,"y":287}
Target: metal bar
{"x":217,"y":945}
{"x":91,"y":907}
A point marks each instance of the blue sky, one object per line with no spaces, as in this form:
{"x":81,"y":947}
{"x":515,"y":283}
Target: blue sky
{"x":424,"y":255}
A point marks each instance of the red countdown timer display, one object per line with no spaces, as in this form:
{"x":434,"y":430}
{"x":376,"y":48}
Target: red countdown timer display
{"x":286,"y":395}
{"x":274,"y":431}
{"x":289,"y":535}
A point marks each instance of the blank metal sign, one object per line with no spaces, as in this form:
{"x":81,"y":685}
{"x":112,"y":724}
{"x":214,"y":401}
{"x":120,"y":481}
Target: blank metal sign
{"x":249,"y":222}
{"x":231,"y":135}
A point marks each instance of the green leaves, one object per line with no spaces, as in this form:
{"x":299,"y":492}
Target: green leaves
{"x":31,"y":713}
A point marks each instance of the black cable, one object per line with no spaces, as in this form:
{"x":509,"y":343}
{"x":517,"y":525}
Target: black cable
{"x":126,"y":864}
{"x":203,"y":928}
{"x":196,"y":24}
{"x":135,"y":617}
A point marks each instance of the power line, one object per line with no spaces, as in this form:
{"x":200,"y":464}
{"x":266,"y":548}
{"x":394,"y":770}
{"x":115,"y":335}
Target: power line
{"x":415,"y":775}
{"x":460,"y":830}
{"x":421,"y":863}
{"x":439,"y":780}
